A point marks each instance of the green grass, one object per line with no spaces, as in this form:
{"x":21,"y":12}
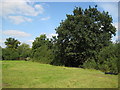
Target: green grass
{"x":27,"y":74}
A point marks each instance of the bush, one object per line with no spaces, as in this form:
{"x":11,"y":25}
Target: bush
{"x":42,"y":50}
{"x":91,"y":64}
{"x":43,"y":55}
{"x":110,"y":65}
{"x":108,"y":59}
{"x":24,"y":51}
{"x":10,"y":54}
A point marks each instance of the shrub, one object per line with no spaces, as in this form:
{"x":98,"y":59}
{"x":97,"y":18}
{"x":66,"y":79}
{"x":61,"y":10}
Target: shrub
{"x":91,"y":64}
{"x":43,"y":55}
{"x":108,"y":59}
{"x":10,"y":54}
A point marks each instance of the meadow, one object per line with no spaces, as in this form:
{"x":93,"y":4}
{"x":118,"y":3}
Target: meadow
{"x":27,"y":74}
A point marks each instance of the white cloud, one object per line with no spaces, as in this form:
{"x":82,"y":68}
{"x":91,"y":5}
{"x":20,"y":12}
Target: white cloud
{"x":30,"y":41}
{"x":16,"y":33}
{"x":19,"y":19}
{"x":50,"y":35}
{"x":45,"y":18}
{"x":19,"y":8}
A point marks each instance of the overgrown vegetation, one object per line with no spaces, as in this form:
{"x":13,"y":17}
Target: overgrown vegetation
{"x":84,"y":40}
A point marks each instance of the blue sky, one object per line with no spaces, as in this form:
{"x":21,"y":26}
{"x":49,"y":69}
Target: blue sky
{"x":27,"y":20}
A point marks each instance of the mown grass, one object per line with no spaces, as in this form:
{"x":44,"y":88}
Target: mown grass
{"x":27,"y":74}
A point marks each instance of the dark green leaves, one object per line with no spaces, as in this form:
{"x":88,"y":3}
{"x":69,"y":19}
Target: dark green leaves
{"x":83,"y":34}
{"x":12,"y":43}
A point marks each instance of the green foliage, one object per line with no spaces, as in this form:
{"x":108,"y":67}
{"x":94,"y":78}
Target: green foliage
{"x":12,"y":43}
{"x":43,"y":55}
{"x":91,"y":64}
{"x":13,"y":51}
{"x":42,"y":50}
{"x":108,"y":58}
{"x":24,"y":51}
{"x":118,"y":53}
{"x":10,"y":54}
{"x":0,"y":53}
{"x":82,"y":35}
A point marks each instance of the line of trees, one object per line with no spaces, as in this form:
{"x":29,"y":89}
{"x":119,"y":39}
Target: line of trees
{"x":15,"y":51}
{"x":84,"y":40}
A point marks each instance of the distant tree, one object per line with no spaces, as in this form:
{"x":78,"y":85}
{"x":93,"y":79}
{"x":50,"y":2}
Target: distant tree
{"x":42,"y":49}
{"x":82,"y":35}
{"x":10,"y":54}
{"x":39,"y":41}
{"x":24,"y":50}
{"x":12,"y":43}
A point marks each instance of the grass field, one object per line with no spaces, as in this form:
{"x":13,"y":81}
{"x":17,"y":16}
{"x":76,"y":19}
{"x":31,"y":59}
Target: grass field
{"x":27,"y":74}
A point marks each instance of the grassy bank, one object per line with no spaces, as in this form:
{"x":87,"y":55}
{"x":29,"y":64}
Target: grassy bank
{"x":25,"y":74}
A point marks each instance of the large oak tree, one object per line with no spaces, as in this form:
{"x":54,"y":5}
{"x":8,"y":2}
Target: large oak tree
{"x":82,"y":35}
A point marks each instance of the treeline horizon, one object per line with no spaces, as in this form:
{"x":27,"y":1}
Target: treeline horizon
{"x":84,"y":40}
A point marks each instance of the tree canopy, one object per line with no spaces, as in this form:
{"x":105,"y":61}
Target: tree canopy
{"x":15,"y":51}
{"x":12,"y":43}
{"x":24,"y":50}
{"x":82,"y":35}
{"x":42,"y":49}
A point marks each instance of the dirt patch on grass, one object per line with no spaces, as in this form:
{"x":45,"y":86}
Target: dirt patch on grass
{"x":5,"y":85}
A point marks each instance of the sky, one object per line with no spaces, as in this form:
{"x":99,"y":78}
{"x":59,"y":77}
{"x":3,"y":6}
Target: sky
{"x":26,"y":20}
